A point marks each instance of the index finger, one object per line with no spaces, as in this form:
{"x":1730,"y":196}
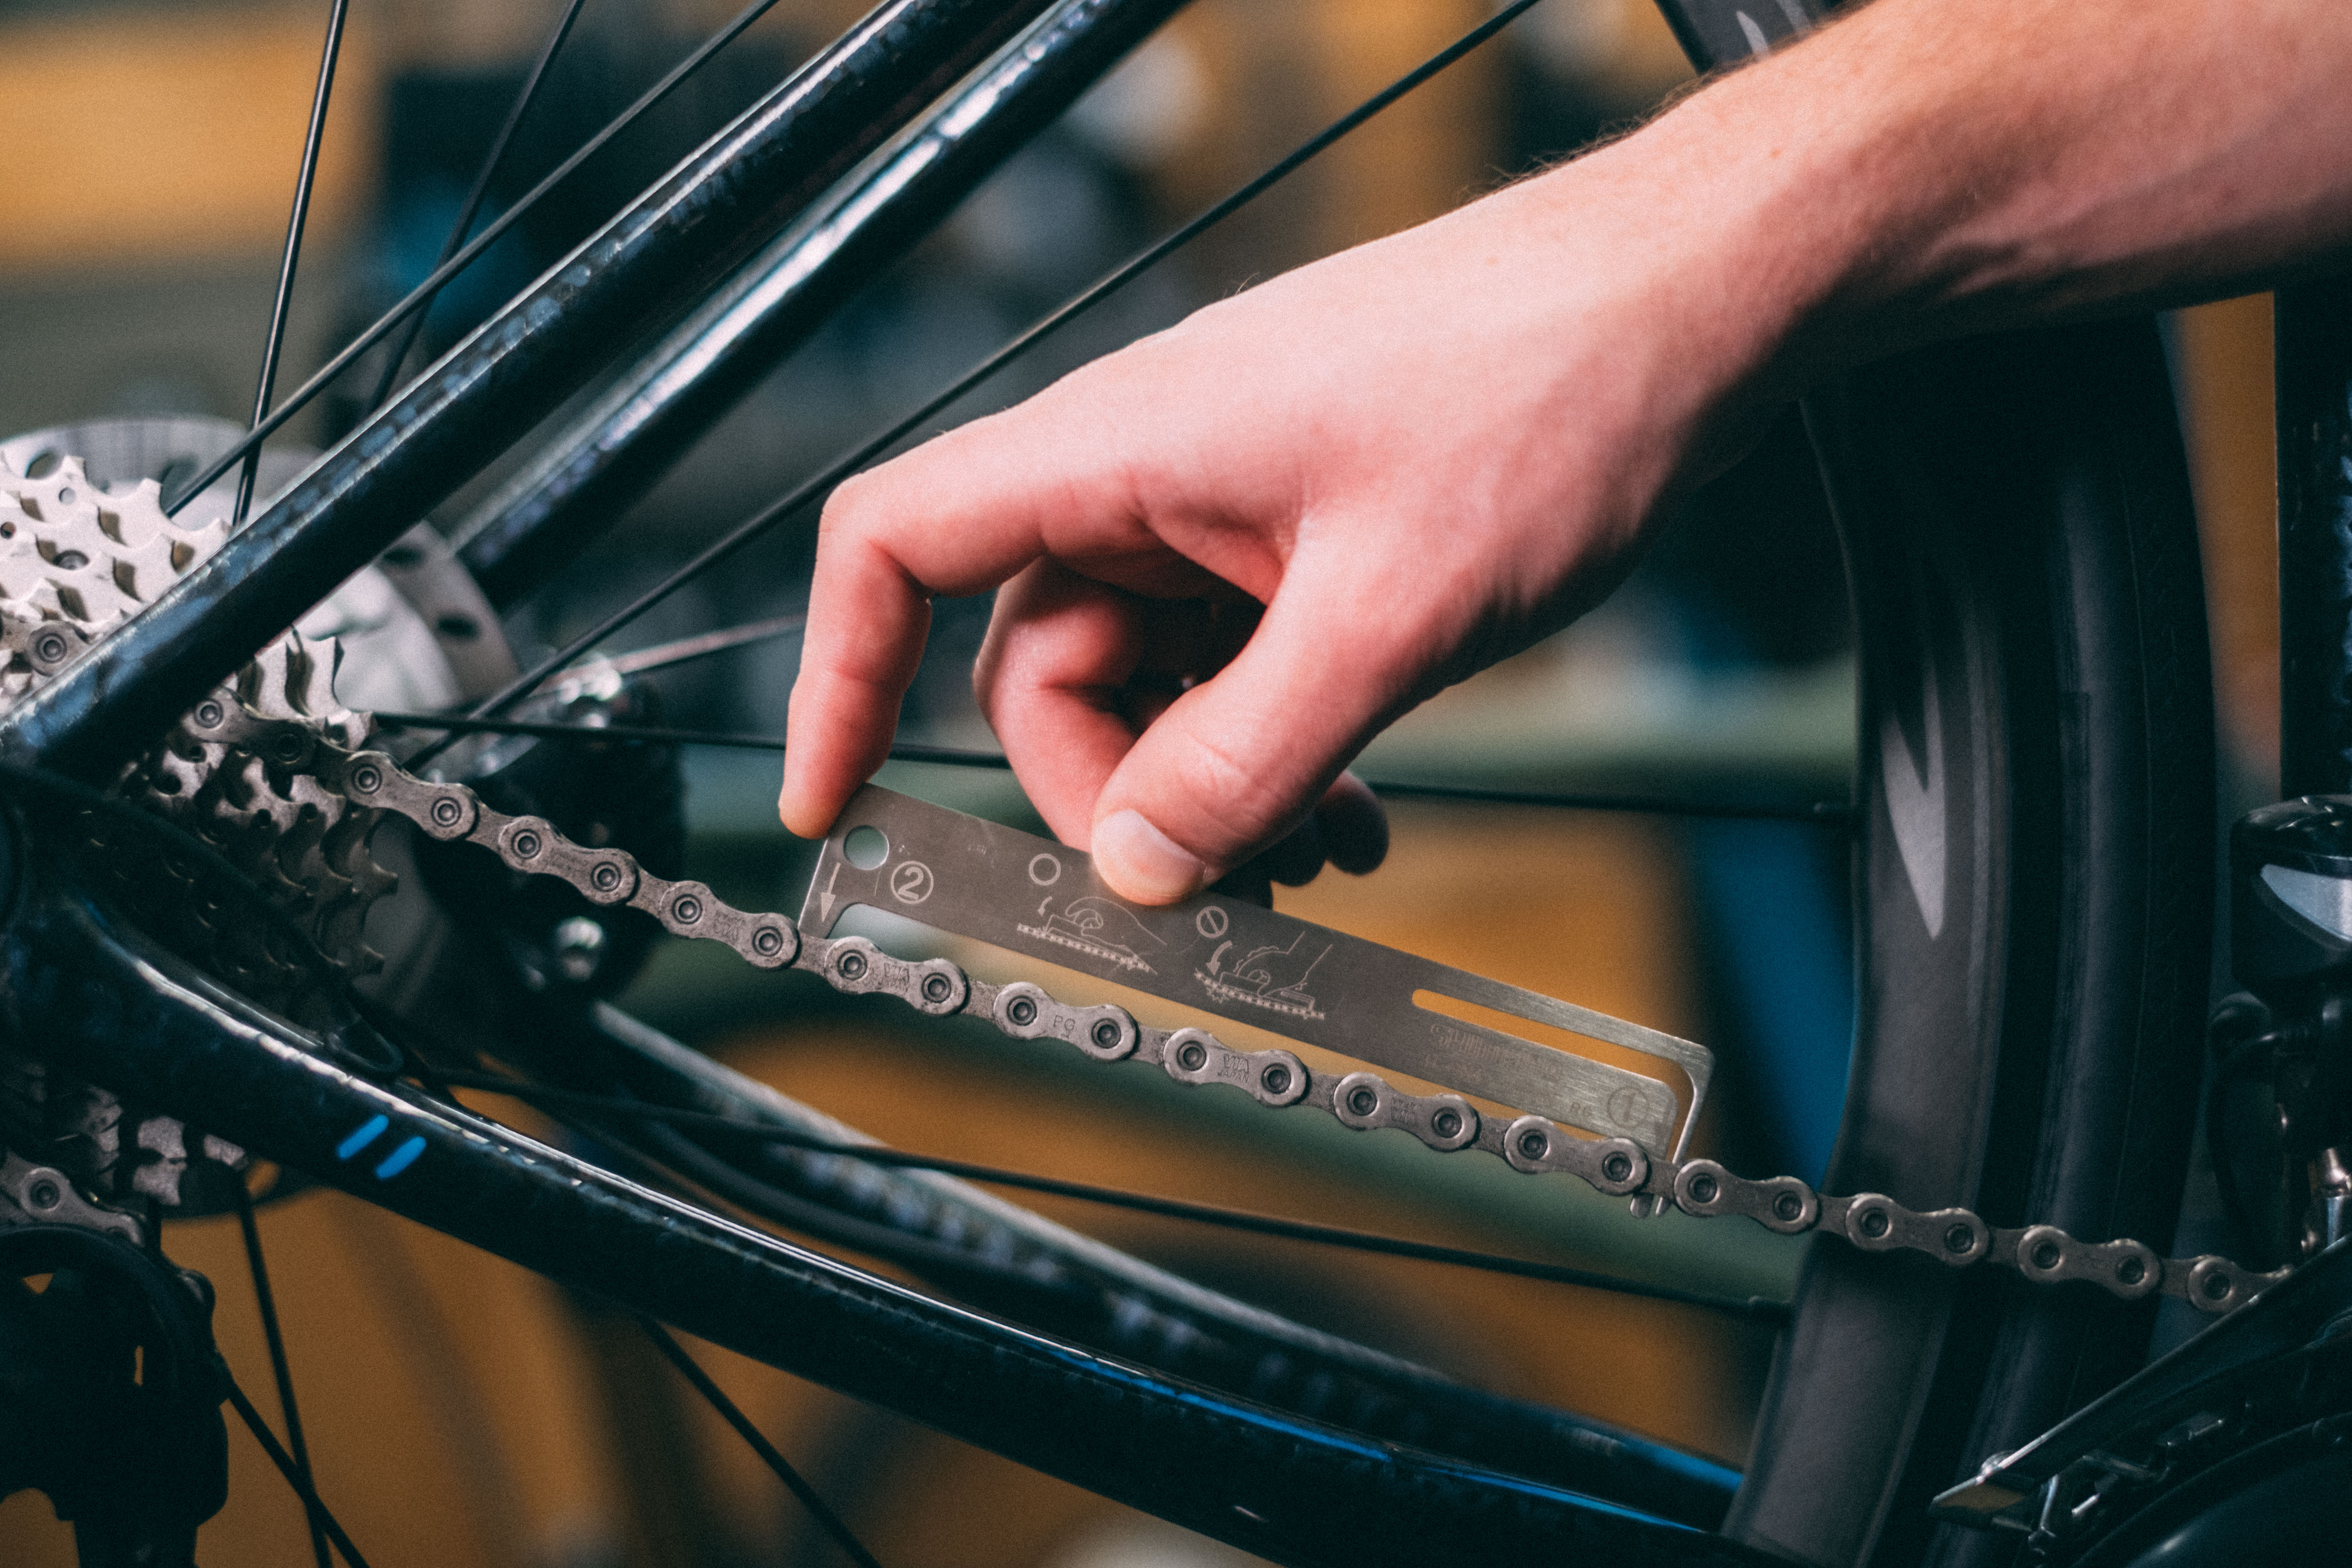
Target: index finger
{"x":961,"y":514}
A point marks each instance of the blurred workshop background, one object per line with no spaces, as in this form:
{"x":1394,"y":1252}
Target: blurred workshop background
{"x":463,"y":1413}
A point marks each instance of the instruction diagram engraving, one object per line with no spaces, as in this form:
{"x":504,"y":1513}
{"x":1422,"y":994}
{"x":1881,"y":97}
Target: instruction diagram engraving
{"x":1097,"y":927}
{"x":1274,"y":978}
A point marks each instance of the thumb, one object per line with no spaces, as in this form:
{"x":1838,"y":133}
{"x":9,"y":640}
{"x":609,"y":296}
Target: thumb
{"x":1239,"y":761}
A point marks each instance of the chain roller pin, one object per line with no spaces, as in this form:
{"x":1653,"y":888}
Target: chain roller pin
{"x":1358,"y":1100}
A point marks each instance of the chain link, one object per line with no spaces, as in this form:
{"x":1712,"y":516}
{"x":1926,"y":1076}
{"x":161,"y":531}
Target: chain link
{"x":1620,"y":1167}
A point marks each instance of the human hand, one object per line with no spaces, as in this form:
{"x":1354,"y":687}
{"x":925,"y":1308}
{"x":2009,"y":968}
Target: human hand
{"x":1231,"y":554}
{"x":1232,"y":551}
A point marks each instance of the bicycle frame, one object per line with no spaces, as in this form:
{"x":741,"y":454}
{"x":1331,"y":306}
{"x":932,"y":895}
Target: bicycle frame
{"x":648,"y":266}
{"x":650,"y":263}
{"x":106,"y":1001}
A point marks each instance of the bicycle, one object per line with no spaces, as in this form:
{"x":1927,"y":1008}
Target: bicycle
{"x":2032,"y":979}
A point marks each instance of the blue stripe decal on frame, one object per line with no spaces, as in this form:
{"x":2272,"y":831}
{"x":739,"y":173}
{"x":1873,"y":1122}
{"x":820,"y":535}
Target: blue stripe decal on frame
{"x":370,"y":1131}
{"x":400,"y":1159}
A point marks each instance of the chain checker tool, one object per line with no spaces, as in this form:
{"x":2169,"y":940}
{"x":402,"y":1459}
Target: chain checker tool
{"x":1243,"y":963}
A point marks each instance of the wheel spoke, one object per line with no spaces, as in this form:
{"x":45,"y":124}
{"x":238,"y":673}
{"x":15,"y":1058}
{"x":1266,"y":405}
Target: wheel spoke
{"x":435,"y":1361}
{"x":1111,"y":283}
{"x":1142,"y":1202}
{"x":1828,"y":813}
{"x":294,"y":223}
{"x":661,"y":655}
{"x":320,"y":1517}
{"x":952,"y":756}
{"x":424,"y":291}
{"x":690,"y":1369}
{"x":474,"y":198}
{"x":279,"y":1366}
{"x":1822,"y":813}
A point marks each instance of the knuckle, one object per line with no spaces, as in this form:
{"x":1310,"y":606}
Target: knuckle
{"x":851,"y":507}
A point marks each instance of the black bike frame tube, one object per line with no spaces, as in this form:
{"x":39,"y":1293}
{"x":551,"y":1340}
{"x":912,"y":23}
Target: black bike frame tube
{"x":1117,"y":1304}
{"x":2314,"y":333}
{"x":616,"y":451}
{"x":636,"y":275}
{"x":107,"y":1003}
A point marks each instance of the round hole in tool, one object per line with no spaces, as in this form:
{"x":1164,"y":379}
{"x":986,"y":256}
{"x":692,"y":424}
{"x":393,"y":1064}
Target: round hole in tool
{"x":2046,"y":1254}
{"x":1787,"y":1207}
{"x":1874,"y":1223}
{"x":865,"y":847}
{"x":2217,"y":1286}
{"x":1704,"y":1189}
{"x":2131,"y":1272}
{"x":1959,"y":1239}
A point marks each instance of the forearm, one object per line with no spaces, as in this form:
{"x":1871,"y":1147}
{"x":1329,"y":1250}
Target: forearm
{"x":1472,"y":424}
{"x":1929,"y":167}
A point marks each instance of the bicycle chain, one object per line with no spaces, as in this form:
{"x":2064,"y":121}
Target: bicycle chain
{"x":1532,"y":1145}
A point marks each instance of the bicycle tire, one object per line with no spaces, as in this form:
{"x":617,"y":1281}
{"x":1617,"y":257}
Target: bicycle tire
{"x":2033,"y":909}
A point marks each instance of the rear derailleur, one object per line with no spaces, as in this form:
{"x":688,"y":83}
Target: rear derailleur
{"x":2236,"y":1447}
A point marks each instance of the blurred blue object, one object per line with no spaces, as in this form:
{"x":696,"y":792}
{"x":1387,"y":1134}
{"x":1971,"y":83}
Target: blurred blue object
{"x":1770,"y":903}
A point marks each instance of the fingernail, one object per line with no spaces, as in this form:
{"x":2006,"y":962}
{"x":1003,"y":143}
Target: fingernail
{"x":1144,"y":863}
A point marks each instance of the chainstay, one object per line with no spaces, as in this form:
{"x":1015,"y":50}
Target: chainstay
{"x":1533,"y":1145}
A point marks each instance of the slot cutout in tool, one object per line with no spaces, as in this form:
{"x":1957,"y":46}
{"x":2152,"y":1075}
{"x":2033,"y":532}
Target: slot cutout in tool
{"x":1553,"y":1037}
